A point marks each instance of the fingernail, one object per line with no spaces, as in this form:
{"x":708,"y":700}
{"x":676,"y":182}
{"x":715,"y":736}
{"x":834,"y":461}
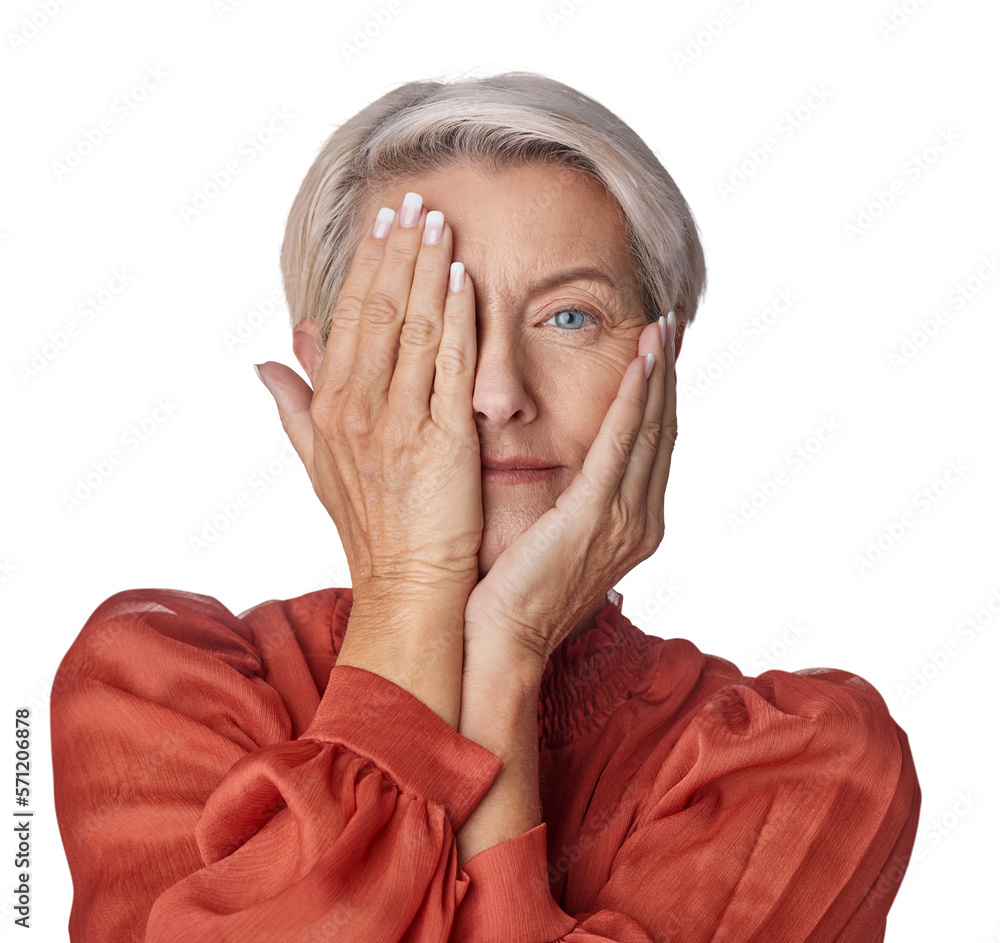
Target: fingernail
{"x":671,"y":326}
{"x":409,"y":213}
{"x":383,"y":222}
{"x":433,"y":227}
{"x":662,"y":322}
{"x":256,"y":369}
{"x":457,"y":280}
{"x":648,"y":365}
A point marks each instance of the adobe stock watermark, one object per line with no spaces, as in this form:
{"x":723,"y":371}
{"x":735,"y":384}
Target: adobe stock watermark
{"x":795,"y":460}
{"x":712,"y":27}
{"x":528,"y":209}
{"x":7,"y":569}
{"x":365,"y":34}
{"x":955,"y":299}
{"x":247,"y":152}
{"x":948,"y":651}
{"x":121,"y":108}
{"x":899,"y":15}
{"x":31,"y":25}
{"x":588,"y":836}
{"x":768,"y":656}
{"x":785,"y":128}
{"x":649,"y":608}
{"x":224,"y":8}
{"x":89,"y":482}
{"x":60,"y":339}
{"x":937,"y":829}
{"x":227,"y":512}
{"x":145,"y":774}
{"x":560,"y":12}
{"x":929,"y":837}
{"x":248,"y":323}
{"x":892,"y":533}
{"x":338,"y":577}
{"x":889,"y":194}
{"x":753,"y":329}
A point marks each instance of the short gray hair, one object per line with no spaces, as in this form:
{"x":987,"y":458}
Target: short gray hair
{"x":494,"y":122}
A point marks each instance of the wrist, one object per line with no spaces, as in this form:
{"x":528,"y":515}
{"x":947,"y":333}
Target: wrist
{"x":413,"y":639}
{"x":413,"y":582}
{"x":506,"y":652}
{"x":500,"y":688}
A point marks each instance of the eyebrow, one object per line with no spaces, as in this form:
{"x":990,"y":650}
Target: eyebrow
{"x":573,"y":275}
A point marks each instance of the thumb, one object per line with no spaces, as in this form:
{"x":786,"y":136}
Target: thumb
{"x":293,"y":397}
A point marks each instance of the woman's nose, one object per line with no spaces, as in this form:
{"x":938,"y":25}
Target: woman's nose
{"x":501,"y":393}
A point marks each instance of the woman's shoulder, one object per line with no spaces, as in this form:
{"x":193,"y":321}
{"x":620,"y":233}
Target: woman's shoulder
{"x":832,"y":701}
{"x":830,"y":712}
{"x":157,"y":622}
{"x":674,"y":677}
{"x":664,"y":688}
{"x":174,"y":608}
{"x":816,"y":738}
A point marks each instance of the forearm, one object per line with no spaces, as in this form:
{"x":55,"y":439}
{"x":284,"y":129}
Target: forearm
{"x":500,"y":713}
{"x":414,"y":640}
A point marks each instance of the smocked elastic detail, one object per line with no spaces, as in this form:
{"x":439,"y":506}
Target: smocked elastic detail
{"x":589,"y":676}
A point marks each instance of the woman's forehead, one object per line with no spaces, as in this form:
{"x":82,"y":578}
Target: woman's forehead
{"x":525,"y":225}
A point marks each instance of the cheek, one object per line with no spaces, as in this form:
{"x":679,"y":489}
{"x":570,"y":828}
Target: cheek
{"x":580,"y":387}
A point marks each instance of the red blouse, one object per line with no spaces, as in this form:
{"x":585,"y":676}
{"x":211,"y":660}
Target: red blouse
{"x":218,"y":778}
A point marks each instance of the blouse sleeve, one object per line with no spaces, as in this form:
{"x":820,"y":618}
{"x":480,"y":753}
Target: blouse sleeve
{"x":189,"y":811}
{"x":785,"y":811}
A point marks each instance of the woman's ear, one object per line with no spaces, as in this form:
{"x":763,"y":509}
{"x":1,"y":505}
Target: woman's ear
{"x":308,"y":347}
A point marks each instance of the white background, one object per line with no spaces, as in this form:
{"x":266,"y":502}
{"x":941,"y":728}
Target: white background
{"x":914,"y":103}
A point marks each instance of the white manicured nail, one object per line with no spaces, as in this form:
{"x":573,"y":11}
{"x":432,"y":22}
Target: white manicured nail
{"x":383,"y":222}
{"x":647,"y":367}
{"x":433,"y":227}
{"x":409,"y":213}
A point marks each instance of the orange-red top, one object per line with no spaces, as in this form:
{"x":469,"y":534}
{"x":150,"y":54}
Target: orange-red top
{"x":218,"y":778}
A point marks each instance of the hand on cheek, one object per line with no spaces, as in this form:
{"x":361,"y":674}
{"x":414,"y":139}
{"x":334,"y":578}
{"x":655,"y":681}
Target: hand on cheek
{"x":608,"y":520}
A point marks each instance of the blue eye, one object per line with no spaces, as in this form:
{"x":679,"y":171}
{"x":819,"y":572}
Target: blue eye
{"x":579,"y":324}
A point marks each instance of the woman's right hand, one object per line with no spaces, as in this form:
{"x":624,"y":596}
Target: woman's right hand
{"x":389,"y":437}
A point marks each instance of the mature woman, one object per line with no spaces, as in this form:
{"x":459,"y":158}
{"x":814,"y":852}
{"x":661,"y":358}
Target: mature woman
{"x":489,"y":282}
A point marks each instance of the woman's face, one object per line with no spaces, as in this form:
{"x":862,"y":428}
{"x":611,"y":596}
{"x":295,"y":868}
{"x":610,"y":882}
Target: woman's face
{"x":558,"y":316}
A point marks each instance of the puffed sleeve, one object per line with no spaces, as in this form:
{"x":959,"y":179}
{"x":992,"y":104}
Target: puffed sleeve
{"x":190,"y":810}
{"x":784,"y":813}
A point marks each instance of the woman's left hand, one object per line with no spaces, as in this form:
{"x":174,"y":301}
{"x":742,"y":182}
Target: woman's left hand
{"x":608,"y":520}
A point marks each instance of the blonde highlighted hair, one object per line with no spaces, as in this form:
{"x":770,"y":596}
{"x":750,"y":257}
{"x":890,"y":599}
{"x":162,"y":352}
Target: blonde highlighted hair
{"x":493,"y":122}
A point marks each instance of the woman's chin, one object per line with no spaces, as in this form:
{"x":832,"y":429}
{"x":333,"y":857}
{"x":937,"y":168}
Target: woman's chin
{"x":504,"y":521}
{"x":488,"y":553}
{"x":496,"y":539}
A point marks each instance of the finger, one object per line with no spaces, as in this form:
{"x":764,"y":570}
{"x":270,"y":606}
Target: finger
{"x":340,"y":345}
{"x":420,"y":335}
{"x":636,"y":480}
{"x":455,"y":363}
{"x":611,"y":450}
{"x":660,"y":472}
{"x":384,"y":309}
{"x":293,"y":397}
